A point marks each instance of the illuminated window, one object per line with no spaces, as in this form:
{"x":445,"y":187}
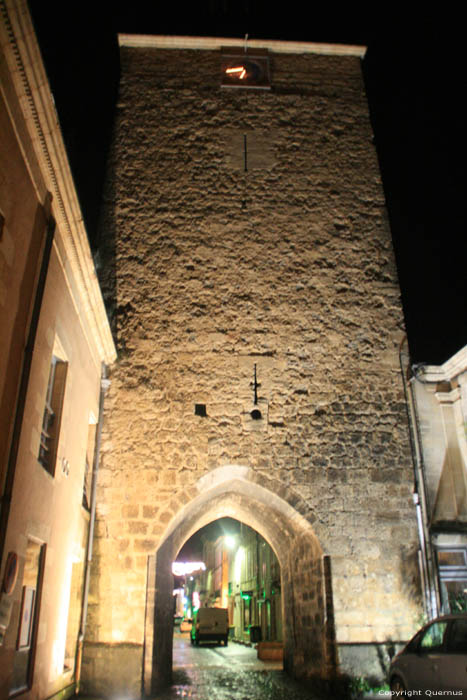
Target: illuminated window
{"x":52,"y":414}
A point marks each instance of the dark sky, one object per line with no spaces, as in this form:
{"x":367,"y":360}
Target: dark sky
{"x":192,"y":550}
{"x":414,"y":76}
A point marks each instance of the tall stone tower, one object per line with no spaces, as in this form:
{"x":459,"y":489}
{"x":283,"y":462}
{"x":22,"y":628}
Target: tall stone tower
{"x":248,"y":263}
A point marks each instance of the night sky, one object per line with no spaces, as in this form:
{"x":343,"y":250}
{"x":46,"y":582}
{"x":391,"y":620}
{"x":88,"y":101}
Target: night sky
{"x":192,"y":550}
{"x":415,"y":79}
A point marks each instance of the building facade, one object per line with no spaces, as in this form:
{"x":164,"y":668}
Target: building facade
{"x":243,"y":575}
{"x":54,"y":339}
{"x":254,"y":590}
{"x":438,"y":403}
{"x":249,"y":270}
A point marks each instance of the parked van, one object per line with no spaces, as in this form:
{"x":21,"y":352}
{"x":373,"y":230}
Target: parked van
{"x":210,"y":625}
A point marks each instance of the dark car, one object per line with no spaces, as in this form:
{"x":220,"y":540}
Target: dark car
{"x":434,"y":659}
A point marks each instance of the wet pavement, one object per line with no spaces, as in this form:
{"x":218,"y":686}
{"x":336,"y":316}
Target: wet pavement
{"x":234,"y":672}
{"x":235,"y":656}
{"x":211,"y":672}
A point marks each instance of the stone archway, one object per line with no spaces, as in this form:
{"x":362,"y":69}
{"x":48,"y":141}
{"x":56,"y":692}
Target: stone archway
{"x":277,"y":514}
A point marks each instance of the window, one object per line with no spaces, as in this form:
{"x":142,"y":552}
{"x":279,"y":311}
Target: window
{"x":451,"y":557}
{"x":433,"y":638}
{"x":23,"y":665}
{"x":457,"y":642}
{"x":87,"y":481}
{"x":452,"y":565}
{"x":52,"y":414}
{"x":246,"y":613}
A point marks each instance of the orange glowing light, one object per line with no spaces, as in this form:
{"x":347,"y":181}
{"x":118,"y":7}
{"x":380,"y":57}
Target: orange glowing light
{"x":240,"y":69}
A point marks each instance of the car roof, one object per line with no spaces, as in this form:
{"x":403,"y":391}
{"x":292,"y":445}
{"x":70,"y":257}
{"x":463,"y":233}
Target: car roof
{"x":451,"y":616}
{"x":440,"y":618}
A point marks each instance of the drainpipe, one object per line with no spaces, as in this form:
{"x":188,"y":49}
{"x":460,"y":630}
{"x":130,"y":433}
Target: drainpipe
{"x":105,"y":384}
{"x":25,"y":374}
{"x":258,"y":584}
{"x":427,"y":565}
{"x":422,"y":555}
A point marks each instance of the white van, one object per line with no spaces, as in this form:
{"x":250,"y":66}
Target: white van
{"x":210,"y":625}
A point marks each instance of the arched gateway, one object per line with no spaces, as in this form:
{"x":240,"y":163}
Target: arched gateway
{"x":279,"y":516}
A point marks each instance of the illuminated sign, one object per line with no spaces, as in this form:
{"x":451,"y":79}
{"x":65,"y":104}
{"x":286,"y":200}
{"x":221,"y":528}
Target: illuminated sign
{"x":239,"y":70}
{"x":182,"y":568}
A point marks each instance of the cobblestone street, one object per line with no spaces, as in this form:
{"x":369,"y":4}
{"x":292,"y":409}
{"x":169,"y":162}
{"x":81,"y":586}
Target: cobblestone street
{"x":228,"y":673}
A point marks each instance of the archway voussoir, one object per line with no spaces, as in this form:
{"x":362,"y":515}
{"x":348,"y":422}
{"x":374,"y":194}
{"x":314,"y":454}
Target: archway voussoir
{"x":236,"y":492}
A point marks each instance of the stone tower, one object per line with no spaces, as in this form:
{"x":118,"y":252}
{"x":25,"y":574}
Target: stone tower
{"x":244,"y":231}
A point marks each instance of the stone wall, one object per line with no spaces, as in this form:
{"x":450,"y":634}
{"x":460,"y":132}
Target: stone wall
{"x":210,"y":269}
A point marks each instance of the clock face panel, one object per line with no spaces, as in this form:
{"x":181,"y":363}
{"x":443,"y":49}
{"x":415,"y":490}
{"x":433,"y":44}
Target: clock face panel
{"x":245,"y":70}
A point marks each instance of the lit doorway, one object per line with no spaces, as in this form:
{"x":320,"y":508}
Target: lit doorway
{"x":305,"y":595}
{"x":227,"y":564}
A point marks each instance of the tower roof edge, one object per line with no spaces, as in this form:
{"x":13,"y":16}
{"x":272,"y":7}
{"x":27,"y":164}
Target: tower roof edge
{"x":144,"y":41}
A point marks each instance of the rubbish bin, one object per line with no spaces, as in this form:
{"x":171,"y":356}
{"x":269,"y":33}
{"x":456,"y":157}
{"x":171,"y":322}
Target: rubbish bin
{"x":255,"y":634}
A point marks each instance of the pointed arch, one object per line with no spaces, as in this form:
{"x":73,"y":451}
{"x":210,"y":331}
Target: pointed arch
{"x":274,"y":512}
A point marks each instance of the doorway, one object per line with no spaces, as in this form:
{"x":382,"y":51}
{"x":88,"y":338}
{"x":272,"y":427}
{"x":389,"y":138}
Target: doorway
{"x":306,"y":639}
{"x":226,"y":564}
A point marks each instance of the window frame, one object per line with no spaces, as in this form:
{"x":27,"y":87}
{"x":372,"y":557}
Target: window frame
{"x":52,"y":414}
{"x":451,"y":573}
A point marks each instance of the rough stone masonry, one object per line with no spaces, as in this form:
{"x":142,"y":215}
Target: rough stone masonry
{"x":247,"y":227}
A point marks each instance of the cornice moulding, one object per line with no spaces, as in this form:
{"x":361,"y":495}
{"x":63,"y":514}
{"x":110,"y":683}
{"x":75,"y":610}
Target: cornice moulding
{"x":452,"y":368}
{"x":28,"y":77}
{"x":147,"y":41}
